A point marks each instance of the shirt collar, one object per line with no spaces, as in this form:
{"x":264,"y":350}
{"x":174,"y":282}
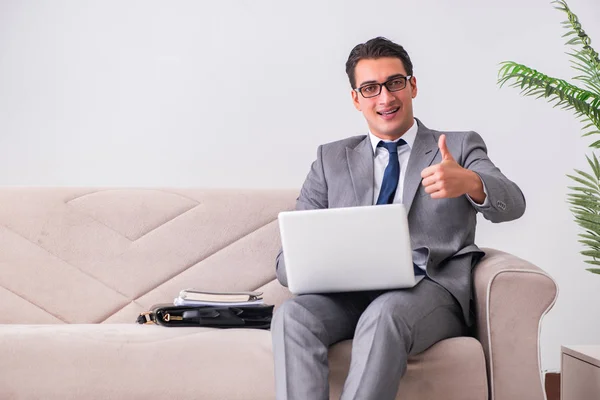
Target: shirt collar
{"x":409,"y":137}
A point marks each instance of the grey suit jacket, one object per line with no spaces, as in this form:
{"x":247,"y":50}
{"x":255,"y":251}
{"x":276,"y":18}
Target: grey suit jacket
{"x":442,"y":230}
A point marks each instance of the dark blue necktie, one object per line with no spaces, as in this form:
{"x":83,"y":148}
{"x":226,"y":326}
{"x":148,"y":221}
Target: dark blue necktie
{"x":389,"y":184}
{"x":391,"y":175}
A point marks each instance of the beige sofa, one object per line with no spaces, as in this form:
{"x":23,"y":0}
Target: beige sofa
{"x":77,"y":265}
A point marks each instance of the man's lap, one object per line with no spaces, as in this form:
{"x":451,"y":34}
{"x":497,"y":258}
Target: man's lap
{"x":340,"y":313}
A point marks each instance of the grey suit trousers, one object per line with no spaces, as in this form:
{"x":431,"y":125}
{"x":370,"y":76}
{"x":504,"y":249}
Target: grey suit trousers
{"x":387,"y":327}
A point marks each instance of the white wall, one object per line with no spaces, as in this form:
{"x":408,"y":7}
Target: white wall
{"x":224,"y":94}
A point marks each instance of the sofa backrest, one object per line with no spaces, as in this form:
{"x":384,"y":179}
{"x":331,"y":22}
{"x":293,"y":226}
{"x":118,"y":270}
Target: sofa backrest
{"x":92,"y":255}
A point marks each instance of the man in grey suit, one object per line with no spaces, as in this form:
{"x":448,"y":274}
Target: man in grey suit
{"x":443,"y":181}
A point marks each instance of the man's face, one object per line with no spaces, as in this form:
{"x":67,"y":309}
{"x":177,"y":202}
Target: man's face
{"x":390,"y":114}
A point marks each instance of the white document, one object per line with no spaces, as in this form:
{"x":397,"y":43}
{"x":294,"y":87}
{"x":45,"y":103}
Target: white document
{"x":181,"y":302}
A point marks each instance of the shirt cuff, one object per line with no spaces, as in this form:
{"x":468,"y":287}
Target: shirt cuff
{"x":486,"y":202}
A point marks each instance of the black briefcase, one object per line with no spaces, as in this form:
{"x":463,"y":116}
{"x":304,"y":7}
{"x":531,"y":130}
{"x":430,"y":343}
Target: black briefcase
{"x":257,"y":317}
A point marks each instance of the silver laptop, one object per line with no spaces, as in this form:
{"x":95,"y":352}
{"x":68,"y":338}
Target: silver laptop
{"x":347,"y":249}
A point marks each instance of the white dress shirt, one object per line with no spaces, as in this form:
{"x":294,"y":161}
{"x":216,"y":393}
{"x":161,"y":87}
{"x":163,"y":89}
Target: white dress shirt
{"x":382,"y":158}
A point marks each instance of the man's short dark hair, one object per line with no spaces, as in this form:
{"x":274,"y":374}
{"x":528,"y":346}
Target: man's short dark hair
{"x":378,"y":47}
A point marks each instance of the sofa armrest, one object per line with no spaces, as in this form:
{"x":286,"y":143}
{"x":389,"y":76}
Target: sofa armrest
{"x":511,"y":297}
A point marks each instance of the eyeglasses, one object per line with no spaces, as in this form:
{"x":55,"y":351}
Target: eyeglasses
{"x":374,"y":89}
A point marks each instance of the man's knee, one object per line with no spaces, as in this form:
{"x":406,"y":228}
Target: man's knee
{"x":283,"y":312}
{"x":296,"y":314}
{"x":389,"y":311}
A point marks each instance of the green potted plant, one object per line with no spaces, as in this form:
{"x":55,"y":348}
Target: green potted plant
{"x":585,"y":102}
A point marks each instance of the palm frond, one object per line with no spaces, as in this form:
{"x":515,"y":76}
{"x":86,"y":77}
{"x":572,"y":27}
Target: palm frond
{"x":591,"y":244}
{"x":589,"y":74}
{"x":585,"y":202}
{"x":591,"y":236}
{"x":586,"y":104}
{"x":586,"y":59}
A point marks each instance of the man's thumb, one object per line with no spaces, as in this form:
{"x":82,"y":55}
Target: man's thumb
{"x":444,"y":149}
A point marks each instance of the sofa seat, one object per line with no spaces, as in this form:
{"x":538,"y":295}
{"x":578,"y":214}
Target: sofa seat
{"x":128,"y":361}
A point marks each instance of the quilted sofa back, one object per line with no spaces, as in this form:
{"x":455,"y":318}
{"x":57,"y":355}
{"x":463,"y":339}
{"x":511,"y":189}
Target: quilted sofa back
{"x":91,"y":255}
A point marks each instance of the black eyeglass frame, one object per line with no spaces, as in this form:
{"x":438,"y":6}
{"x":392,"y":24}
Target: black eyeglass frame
{"x":405,"y":78}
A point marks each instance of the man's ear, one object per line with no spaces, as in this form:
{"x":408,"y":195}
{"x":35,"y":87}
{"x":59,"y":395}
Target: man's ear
{"x":355,"y":100}
{"x":413,"y":85}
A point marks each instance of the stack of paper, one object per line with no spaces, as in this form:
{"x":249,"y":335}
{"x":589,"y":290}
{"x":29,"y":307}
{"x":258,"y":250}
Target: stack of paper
{"x":194,"y":297}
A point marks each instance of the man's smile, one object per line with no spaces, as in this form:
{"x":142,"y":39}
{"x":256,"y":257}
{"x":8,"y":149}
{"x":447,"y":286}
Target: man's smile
{"x":388,"y":113}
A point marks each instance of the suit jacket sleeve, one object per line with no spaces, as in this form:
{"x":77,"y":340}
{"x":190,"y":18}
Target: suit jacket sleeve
{"x":505,"y":201}
{"x":313,"y":195}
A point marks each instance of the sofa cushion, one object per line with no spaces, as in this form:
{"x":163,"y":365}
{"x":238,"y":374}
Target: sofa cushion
{"x":450,"y":369}
{"x":124,"y":361}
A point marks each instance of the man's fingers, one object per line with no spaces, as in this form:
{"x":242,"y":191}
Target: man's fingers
{"x":440,"y":194}
{"x":432,"y":188}
{"x":429,"y":171}
{"x":430,"y":180}
{"x":435,"y":186}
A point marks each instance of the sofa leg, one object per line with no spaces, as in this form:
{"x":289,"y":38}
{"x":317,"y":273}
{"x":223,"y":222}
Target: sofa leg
{"x":552,"y":385}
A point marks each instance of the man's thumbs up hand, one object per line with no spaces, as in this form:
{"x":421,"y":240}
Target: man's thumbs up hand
{"x":448,"y":179}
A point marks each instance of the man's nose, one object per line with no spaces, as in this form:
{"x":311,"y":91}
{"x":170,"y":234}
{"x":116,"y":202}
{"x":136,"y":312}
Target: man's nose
{"x":385,"y":96}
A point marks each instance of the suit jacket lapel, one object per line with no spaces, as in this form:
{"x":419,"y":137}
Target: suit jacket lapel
{"x":422,"y":154}
{"x":360,"y":164}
